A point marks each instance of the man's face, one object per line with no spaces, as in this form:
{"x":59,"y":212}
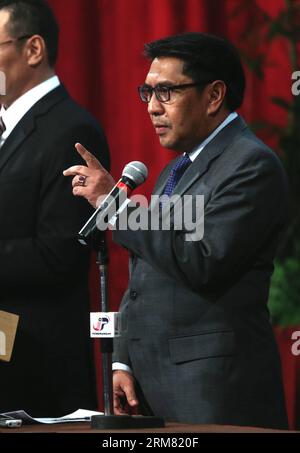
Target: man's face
{"x":12,"y":64}
{"x":182,"y":122}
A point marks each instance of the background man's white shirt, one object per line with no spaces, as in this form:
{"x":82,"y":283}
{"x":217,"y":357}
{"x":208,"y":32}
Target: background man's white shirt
{"x":23,"y":104}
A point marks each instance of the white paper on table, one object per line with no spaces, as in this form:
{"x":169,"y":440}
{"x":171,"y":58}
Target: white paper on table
{"x":81,"y":415}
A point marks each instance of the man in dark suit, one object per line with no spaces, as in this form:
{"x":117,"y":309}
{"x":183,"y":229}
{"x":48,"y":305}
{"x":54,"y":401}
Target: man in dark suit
{"x":43,"y":268}
{"x":198,"y":341}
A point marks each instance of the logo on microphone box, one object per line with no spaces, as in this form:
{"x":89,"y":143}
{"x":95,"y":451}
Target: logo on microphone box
{"x":104,"y":325}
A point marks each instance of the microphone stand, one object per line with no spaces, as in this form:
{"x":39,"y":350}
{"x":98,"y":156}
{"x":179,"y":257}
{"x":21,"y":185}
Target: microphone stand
{"x":110,"y":421}
{"x":102,"y":261}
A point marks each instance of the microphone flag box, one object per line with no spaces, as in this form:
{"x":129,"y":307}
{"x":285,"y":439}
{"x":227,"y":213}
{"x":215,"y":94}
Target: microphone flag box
{"x":105,"y":325}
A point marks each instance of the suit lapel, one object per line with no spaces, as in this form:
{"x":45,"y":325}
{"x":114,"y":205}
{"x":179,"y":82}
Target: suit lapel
{"x":27,"y":124}
{"x":15,"y":139}
{"x":204,"y":159}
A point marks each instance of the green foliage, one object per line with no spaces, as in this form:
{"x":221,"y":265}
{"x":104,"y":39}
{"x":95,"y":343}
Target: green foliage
{"x":284,"y":299}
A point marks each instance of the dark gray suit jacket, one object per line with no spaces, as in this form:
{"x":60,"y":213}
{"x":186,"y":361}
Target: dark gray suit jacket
{"x":43,"y":268}
{"x":198,"y":336}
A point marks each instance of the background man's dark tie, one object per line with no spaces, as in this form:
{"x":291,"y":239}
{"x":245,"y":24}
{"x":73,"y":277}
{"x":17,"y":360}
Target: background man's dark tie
{"x":2,"y":126}
{"x":176,"y":173}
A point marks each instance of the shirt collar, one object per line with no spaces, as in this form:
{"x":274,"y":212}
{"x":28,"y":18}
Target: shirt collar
{"x":195,"y":153}
{"x":23,"y":104}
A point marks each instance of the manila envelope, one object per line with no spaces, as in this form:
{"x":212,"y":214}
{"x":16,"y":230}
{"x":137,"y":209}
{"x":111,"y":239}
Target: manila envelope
{"x":8,"y":328}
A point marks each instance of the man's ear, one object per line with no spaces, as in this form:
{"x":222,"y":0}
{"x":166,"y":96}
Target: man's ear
{"x":35,"y":50}
{"x":217,"y":92}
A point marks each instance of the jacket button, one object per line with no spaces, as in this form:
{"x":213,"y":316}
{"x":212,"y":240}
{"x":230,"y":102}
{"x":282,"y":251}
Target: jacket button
{"x":133,"y":294}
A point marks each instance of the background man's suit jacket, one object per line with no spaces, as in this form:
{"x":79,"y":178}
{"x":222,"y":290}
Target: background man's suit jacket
{"x":43,"y":268}
{"x":198,"y":336}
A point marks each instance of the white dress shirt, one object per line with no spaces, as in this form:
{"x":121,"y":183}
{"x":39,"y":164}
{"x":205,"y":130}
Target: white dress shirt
{"x":195,"y":153}
{"x":23,"y":104}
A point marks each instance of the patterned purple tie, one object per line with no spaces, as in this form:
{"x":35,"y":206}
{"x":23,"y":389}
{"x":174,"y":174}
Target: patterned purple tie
{"x":176,"y":173}
{"x":2,"y":126}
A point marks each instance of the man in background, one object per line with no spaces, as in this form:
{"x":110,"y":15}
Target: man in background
{"x":43,"y":268}
{"x":197,"y":338}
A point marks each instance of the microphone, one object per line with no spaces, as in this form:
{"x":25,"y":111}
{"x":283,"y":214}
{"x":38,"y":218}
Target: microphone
{"x":133,"y":175}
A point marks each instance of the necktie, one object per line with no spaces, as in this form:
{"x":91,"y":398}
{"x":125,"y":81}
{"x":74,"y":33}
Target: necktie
{"x":2,"y":126}
{"x":176,"y":173}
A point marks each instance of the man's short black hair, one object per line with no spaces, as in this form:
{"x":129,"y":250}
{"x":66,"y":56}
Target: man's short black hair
{"x":33,"y":17}
{"x":206,"y":58}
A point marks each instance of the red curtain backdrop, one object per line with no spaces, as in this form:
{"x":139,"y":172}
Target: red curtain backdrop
{"x":101,"y":64}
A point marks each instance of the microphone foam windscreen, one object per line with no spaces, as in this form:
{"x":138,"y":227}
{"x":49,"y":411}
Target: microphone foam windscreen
{"x":136,"y":171}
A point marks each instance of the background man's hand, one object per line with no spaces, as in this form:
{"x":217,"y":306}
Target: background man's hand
{"x":92,"y":182}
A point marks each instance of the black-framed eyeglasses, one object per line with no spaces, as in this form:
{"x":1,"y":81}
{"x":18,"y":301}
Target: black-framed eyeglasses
{"x":163,"y":92}
{"x":15,"y":39}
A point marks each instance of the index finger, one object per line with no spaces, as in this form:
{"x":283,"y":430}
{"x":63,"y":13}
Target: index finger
{"x":89,"y":158}
{"x":130,"y":395}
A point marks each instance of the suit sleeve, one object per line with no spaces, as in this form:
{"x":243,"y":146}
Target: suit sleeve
{"x":244,"y":212}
